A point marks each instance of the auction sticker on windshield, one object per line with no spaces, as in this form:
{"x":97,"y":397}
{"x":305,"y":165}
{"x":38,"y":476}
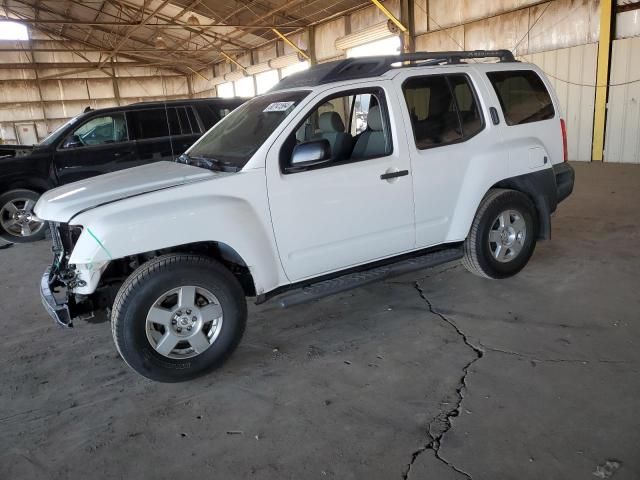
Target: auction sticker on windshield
{"x":278,"y":106}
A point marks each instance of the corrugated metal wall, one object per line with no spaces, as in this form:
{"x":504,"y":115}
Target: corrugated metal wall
{"x":622,"y":140}
{"x":558,"y":35}
{"x":572,"y":71}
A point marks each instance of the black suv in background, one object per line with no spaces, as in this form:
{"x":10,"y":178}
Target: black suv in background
{"x":93,"y":143}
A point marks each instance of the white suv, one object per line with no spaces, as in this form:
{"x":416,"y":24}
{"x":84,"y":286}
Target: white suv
{"x":341,"y":175}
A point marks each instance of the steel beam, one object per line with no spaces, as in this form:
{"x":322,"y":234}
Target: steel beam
{"x":389,"y":15}
{"x":131,"y":31}
{"x":181,"y":26}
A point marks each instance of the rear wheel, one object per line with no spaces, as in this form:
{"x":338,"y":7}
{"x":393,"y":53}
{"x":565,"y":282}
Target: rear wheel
{"x":178,"y":316}
{"x":503,"y":235}
{"x":18,"y":223}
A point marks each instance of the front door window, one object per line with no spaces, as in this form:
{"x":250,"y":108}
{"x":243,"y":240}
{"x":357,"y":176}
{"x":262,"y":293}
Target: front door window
{"x":99,"y":131}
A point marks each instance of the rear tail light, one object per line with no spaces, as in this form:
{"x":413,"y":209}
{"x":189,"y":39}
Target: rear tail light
{"x":563,"y":127}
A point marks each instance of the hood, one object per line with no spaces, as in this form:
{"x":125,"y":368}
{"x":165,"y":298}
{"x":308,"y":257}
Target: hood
{"x":63,"y":203}
{"x":15,"y":150}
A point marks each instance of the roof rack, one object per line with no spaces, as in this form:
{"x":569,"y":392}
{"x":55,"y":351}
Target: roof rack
{"x":456,"y":57}
{"x":363,"y":67}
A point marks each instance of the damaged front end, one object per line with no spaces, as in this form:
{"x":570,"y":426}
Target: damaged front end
{"x":60,"y":279}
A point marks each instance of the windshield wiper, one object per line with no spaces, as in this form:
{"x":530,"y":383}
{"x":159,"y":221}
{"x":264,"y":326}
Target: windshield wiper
{"x":208,"y":163}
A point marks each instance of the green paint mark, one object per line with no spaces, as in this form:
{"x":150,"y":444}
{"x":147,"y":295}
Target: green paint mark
{"x":99,"y":243}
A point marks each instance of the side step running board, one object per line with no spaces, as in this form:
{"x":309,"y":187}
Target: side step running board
{"x":349,"y":281}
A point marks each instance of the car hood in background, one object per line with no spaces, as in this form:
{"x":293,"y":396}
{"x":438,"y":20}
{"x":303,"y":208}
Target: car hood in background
{"x":15,"y":150}
{"x":63,"y":203}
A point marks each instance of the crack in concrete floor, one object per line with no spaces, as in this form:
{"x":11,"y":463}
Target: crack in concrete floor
{"x":441,"y":424}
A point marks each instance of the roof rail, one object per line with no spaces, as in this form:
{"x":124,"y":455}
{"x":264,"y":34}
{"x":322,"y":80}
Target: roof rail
{"x":363,"y":67}
{"x":457,"y":56}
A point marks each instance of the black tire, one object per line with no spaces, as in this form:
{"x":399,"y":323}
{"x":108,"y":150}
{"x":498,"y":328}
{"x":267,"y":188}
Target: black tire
{"x":145,"y":285}
{"x":479,"y":256}
{"x":12,"y":236}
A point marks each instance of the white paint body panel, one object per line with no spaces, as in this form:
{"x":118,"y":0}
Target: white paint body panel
{"x":231,"y":209}
{"x":294,"y":227}
{"x":62,"y":203}
{"x":333,"y":218}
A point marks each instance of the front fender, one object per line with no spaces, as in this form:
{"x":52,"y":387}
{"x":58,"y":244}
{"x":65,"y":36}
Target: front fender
{"x":233,"y":211}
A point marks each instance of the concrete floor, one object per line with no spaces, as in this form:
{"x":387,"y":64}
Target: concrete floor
{"x":436,"y":375}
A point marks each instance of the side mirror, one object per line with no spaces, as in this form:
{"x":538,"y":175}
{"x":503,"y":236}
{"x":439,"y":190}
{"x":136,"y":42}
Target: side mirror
{"x":309,"y":154}
{"x":72,"y":142}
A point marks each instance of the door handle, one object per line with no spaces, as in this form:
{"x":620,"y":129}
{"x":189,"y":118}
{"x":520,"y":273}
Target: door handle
{"x":390,"y":175}
{"x":119,"y":154}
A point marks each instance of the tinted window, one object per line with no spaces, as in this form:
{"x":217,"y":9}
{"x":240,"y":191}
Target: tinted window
{"x":443,"y":109}
{"x":150,"y":123}
{"x":208,"y":115}
{"x":195,"y":128}
{"x":523,"y":96}
{"x":184,"y":120}
{"x":468,"y":109}
{"x":174,"y":124}
{"x":236,"y":138}
{"x":101,"y":130}
{"x":430,"y":104}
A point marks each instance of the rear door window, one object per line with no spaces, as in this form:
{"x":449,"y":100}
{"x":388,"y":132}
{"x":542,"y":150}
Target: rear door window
{"x":195,"y":127}
{"x":174,"y":124}
{"x":184,"y":120}
{"x":443,"y":109}
{"x":522,"y":95}
{"x":150,"y":123}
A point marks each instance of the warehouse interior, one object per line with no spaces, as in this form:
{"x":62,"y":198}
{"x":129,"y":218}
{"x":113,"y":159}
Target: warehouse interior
{"x":434,"y":374}
{"x":104,"y":54}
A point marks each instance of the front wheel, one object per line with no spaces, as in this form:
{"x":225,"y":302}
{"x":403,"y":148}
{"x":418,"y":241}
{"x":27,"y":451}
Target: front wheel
{"x":18,"y":223}
{"x":178,"y":316}
{"x":503,"y":235}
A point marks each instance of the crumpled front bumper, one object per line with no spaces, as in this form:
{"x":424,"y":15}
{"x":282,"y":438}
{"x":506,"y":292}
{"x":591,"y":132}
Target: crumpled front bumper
{"x":56,"y":305}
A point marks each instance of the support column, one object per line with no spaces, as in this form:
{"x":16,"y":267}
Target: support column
{"x":602,"y":79}
{"x":39,"y":87}
{"x":311,"y":45}
{"x":114,"y":81}
{"x":189,"y":85}
{"x":407,"y":17}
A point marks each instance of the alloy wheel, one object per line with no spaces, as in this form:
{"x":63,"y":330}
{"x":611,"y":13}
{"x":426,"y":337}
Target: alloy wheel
{"x":17,"y":218}
{"x":507,"y":235}
{"x":184,"y":322}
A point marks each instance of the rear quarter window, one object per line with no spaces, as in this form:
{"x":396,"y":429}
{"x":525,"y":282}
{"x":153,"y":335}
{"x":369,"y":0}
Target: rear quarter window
{"x":522,"y":95}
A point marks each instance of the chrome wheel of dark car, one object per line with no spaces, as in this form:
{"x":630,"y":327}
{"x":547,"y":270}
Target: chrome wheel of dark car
{"x":18,"y":222}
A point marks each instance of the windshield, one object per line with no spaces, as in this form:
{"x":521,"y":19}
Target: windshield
{"x":236,"y":138}
{"x":51,"y":138}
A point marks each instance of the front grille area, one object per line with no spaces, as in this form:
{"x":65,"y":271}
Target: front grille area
{"x":64,"y":238}
{"x":69,"y":236}
{"x":58,"y":247}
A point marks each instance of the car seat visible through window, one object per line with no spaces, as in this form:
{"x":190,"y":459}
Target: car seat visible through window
{"x":332,"y":129}
{"x":371,"y":142}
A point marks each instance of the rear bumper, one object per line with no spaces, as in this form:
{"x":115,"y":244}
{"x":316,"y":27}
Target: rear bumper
{"x":56,"y":307}
{"x":565,"y":177}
